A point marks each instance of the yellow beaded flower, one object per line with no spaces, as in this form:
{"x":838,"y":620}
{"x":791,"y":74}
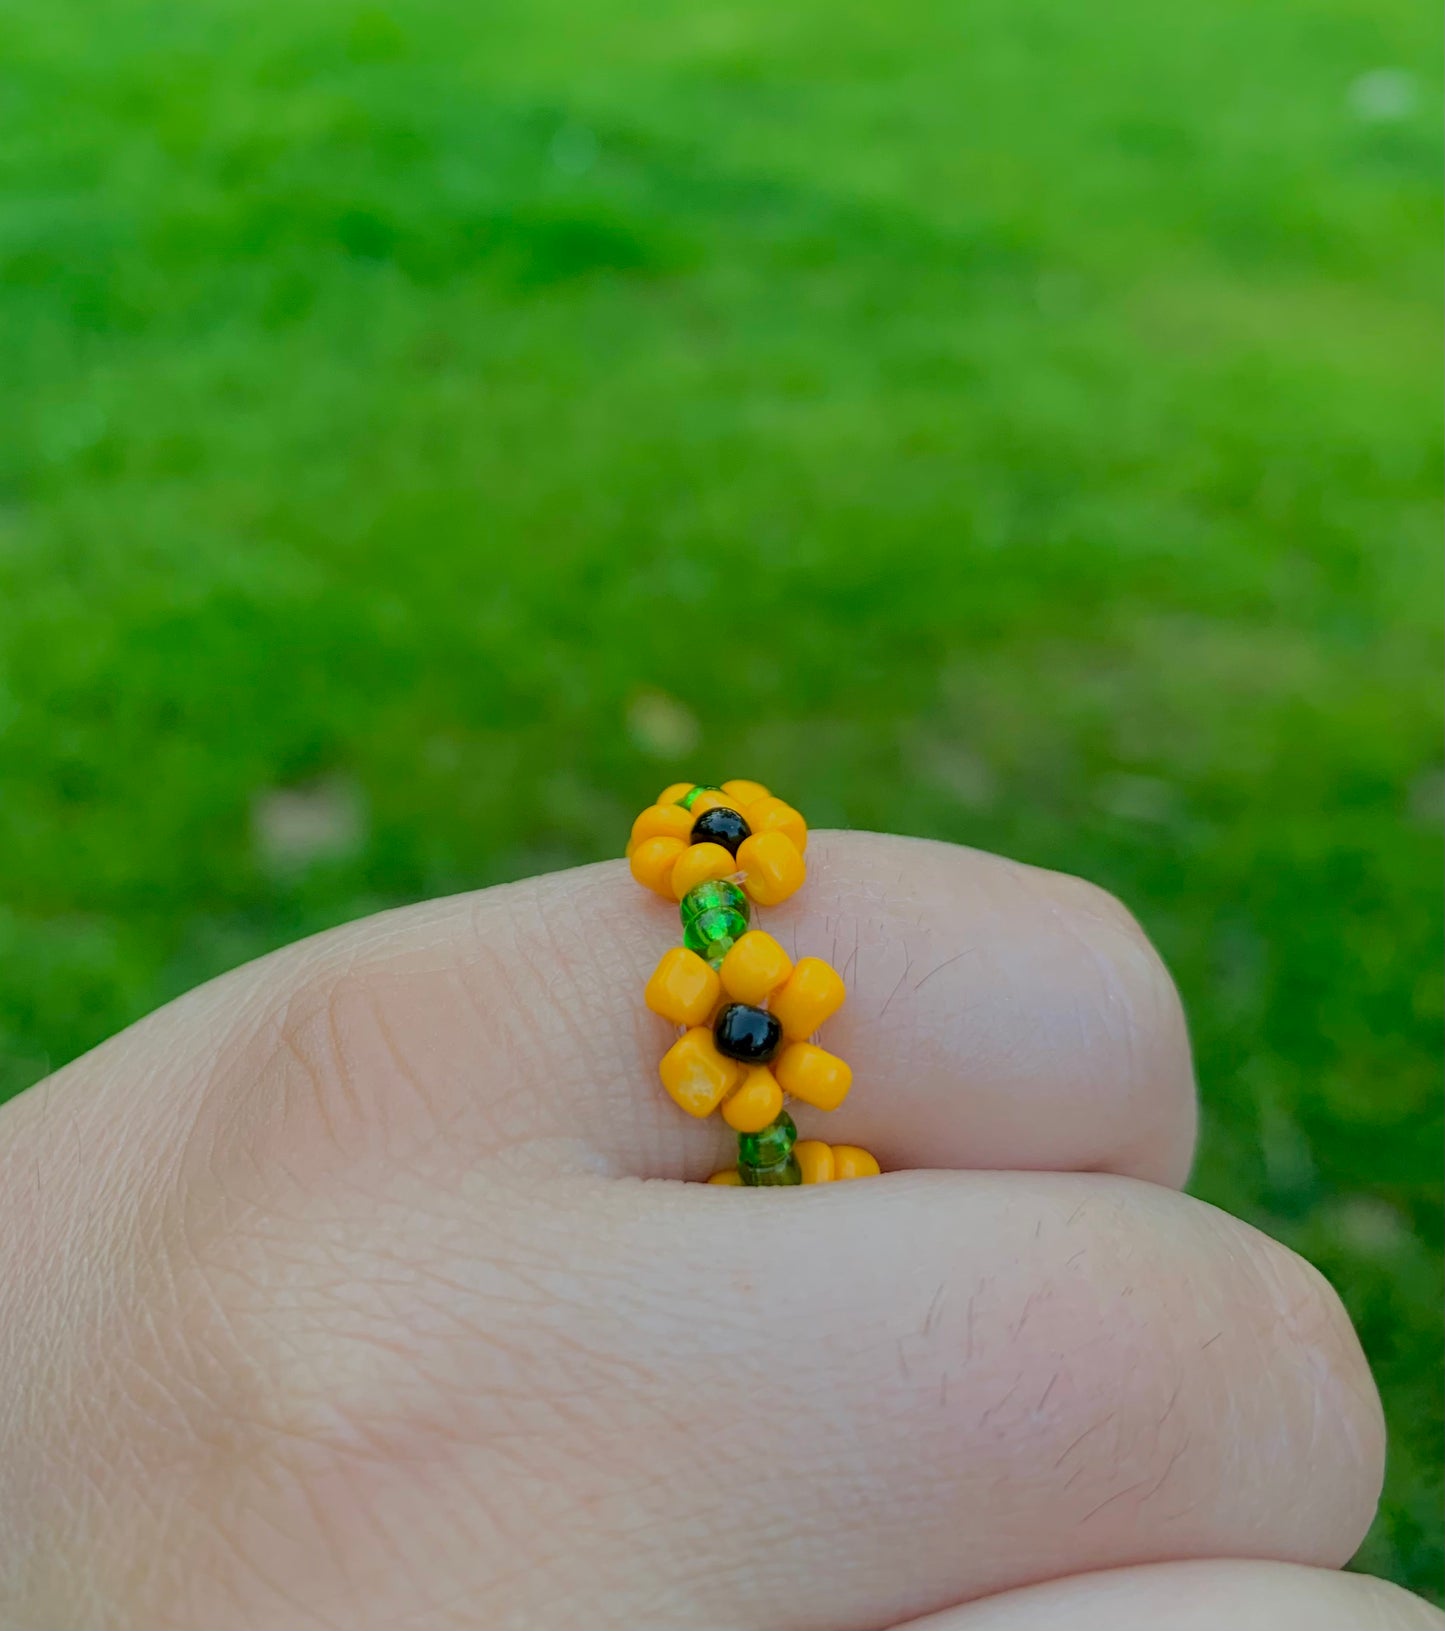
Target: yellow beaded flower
{"x":696,"y":834}
{"x":785,"y":1002}
{"x":779,"y":1005}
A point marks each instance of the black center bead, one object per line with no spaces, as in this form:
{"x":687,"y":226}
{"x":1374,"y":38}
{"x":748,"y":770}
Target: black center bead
{"x":748,"y":1034}
{"x":720,"y":826}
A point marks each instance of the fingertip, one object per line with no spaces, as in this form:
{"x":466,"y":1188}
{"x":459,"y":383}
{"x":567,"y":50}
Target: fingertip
{"x":1002,"y":1016}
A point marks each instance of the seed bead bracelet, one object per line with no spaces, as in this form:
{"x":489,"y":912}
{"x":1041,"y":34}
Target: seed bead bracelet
{"x":748,"y":1013}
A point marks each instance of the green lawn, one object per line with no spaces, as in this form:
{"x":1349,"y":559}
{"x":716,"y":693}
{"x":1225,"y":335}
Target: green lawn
{"x":1009,"y":421}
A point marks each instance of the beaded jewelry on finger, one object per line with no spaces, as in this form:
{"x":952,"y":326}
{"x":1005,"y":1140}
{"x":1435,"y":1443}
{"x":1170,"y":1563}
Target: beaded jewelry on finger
{"x":748,"y":1013}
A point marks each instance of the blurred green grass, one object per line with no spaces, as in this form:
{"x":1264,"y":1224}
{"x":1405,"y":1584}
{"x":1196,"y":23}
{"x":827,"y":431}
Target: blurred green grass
{"x":1006,"y":422}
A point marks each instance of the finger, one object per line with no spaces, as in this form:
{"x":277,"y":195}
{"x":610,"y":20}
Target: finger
{"x":998,"y":1016}
{"x":838,"y":1407}
{"x":966,"y":1383}
{"x":1244,"y":1596}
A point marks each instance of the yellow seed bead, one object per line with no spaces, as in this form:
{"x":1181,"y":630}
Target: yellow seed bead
{"x":674,"y":791}
{"x":697,"y":864}
{"x":731,"y":1177}
{"x":745,"y":793}
{"x":652,"y":862}
{"x":710,"y":801}
{"x":851,"y":1162}
{"x":813,"y":1075}
{"x":814,"y":992}
{"x":771,"y":866}
{"x":755,"y":1104}
{"x":773,"y":815}
{"x":816,"y":1160}
{"x":755,"y":968}
{"x":683,"y":988}
{"x":663,"y":821}
{"x":697,"y":1076}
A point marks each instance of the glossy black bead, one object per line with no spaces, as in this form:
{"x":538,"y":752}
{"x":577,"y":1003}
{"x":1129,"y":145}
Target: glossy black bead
{"x":725,"y":827}
{"x":750,"y":1035}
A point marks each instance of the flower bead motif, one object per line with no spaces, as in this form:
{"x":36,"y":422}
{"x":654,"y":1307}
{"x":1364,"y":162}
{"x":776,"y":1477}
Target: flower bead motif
{"x":745,"y":1047}
{"x":694,"y":834}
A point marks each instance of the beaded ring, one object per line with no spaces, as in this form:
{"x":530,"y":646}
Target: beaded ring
{"x":747,"y":1012}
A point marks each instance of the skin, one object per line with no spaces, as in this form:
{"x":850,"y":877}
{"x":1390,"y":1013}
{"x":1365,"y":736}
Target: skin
{"x":356,"y":1289}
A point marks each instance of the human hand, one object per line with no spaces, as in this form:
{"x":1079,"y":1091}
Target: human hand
{"x":350,"y":1290}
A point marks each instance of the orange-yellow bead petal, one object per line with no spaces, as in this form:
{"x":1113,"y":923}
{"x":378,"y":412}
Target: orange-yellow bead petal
{"x":710,"y":801}
{"x":851,"y":1162}
{"x":663,"y":821}
{"x":813,"y":993}
{"x":683,"y":988}
{"x":697,"y":1076}
{"x":755,"y":1104}
{"x":652,"y":862}
{"x":755,"y":967}
{"x":772,"y":867}
{"x":697,"y":864}
{"x":813,"y":1075}
{"x":745,"y":793}
{"x":773,"y":815}
{"x":731,"y":1177}
{"x":674,"y":791}
{"x":816,"y":1160}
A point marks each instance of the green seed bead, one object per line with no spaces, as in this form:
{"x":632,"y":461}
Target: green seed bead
{"x":715,"y":894}
{"x":786,"y":1172}
{"x":769,"y":1148}
{"x":690,"y":798}
{"x":713,"y":934}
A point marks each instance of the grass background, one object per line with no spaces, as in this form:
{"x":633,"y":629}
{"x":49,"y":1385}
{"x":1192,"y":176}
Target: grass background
{"x":424,"y":431}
